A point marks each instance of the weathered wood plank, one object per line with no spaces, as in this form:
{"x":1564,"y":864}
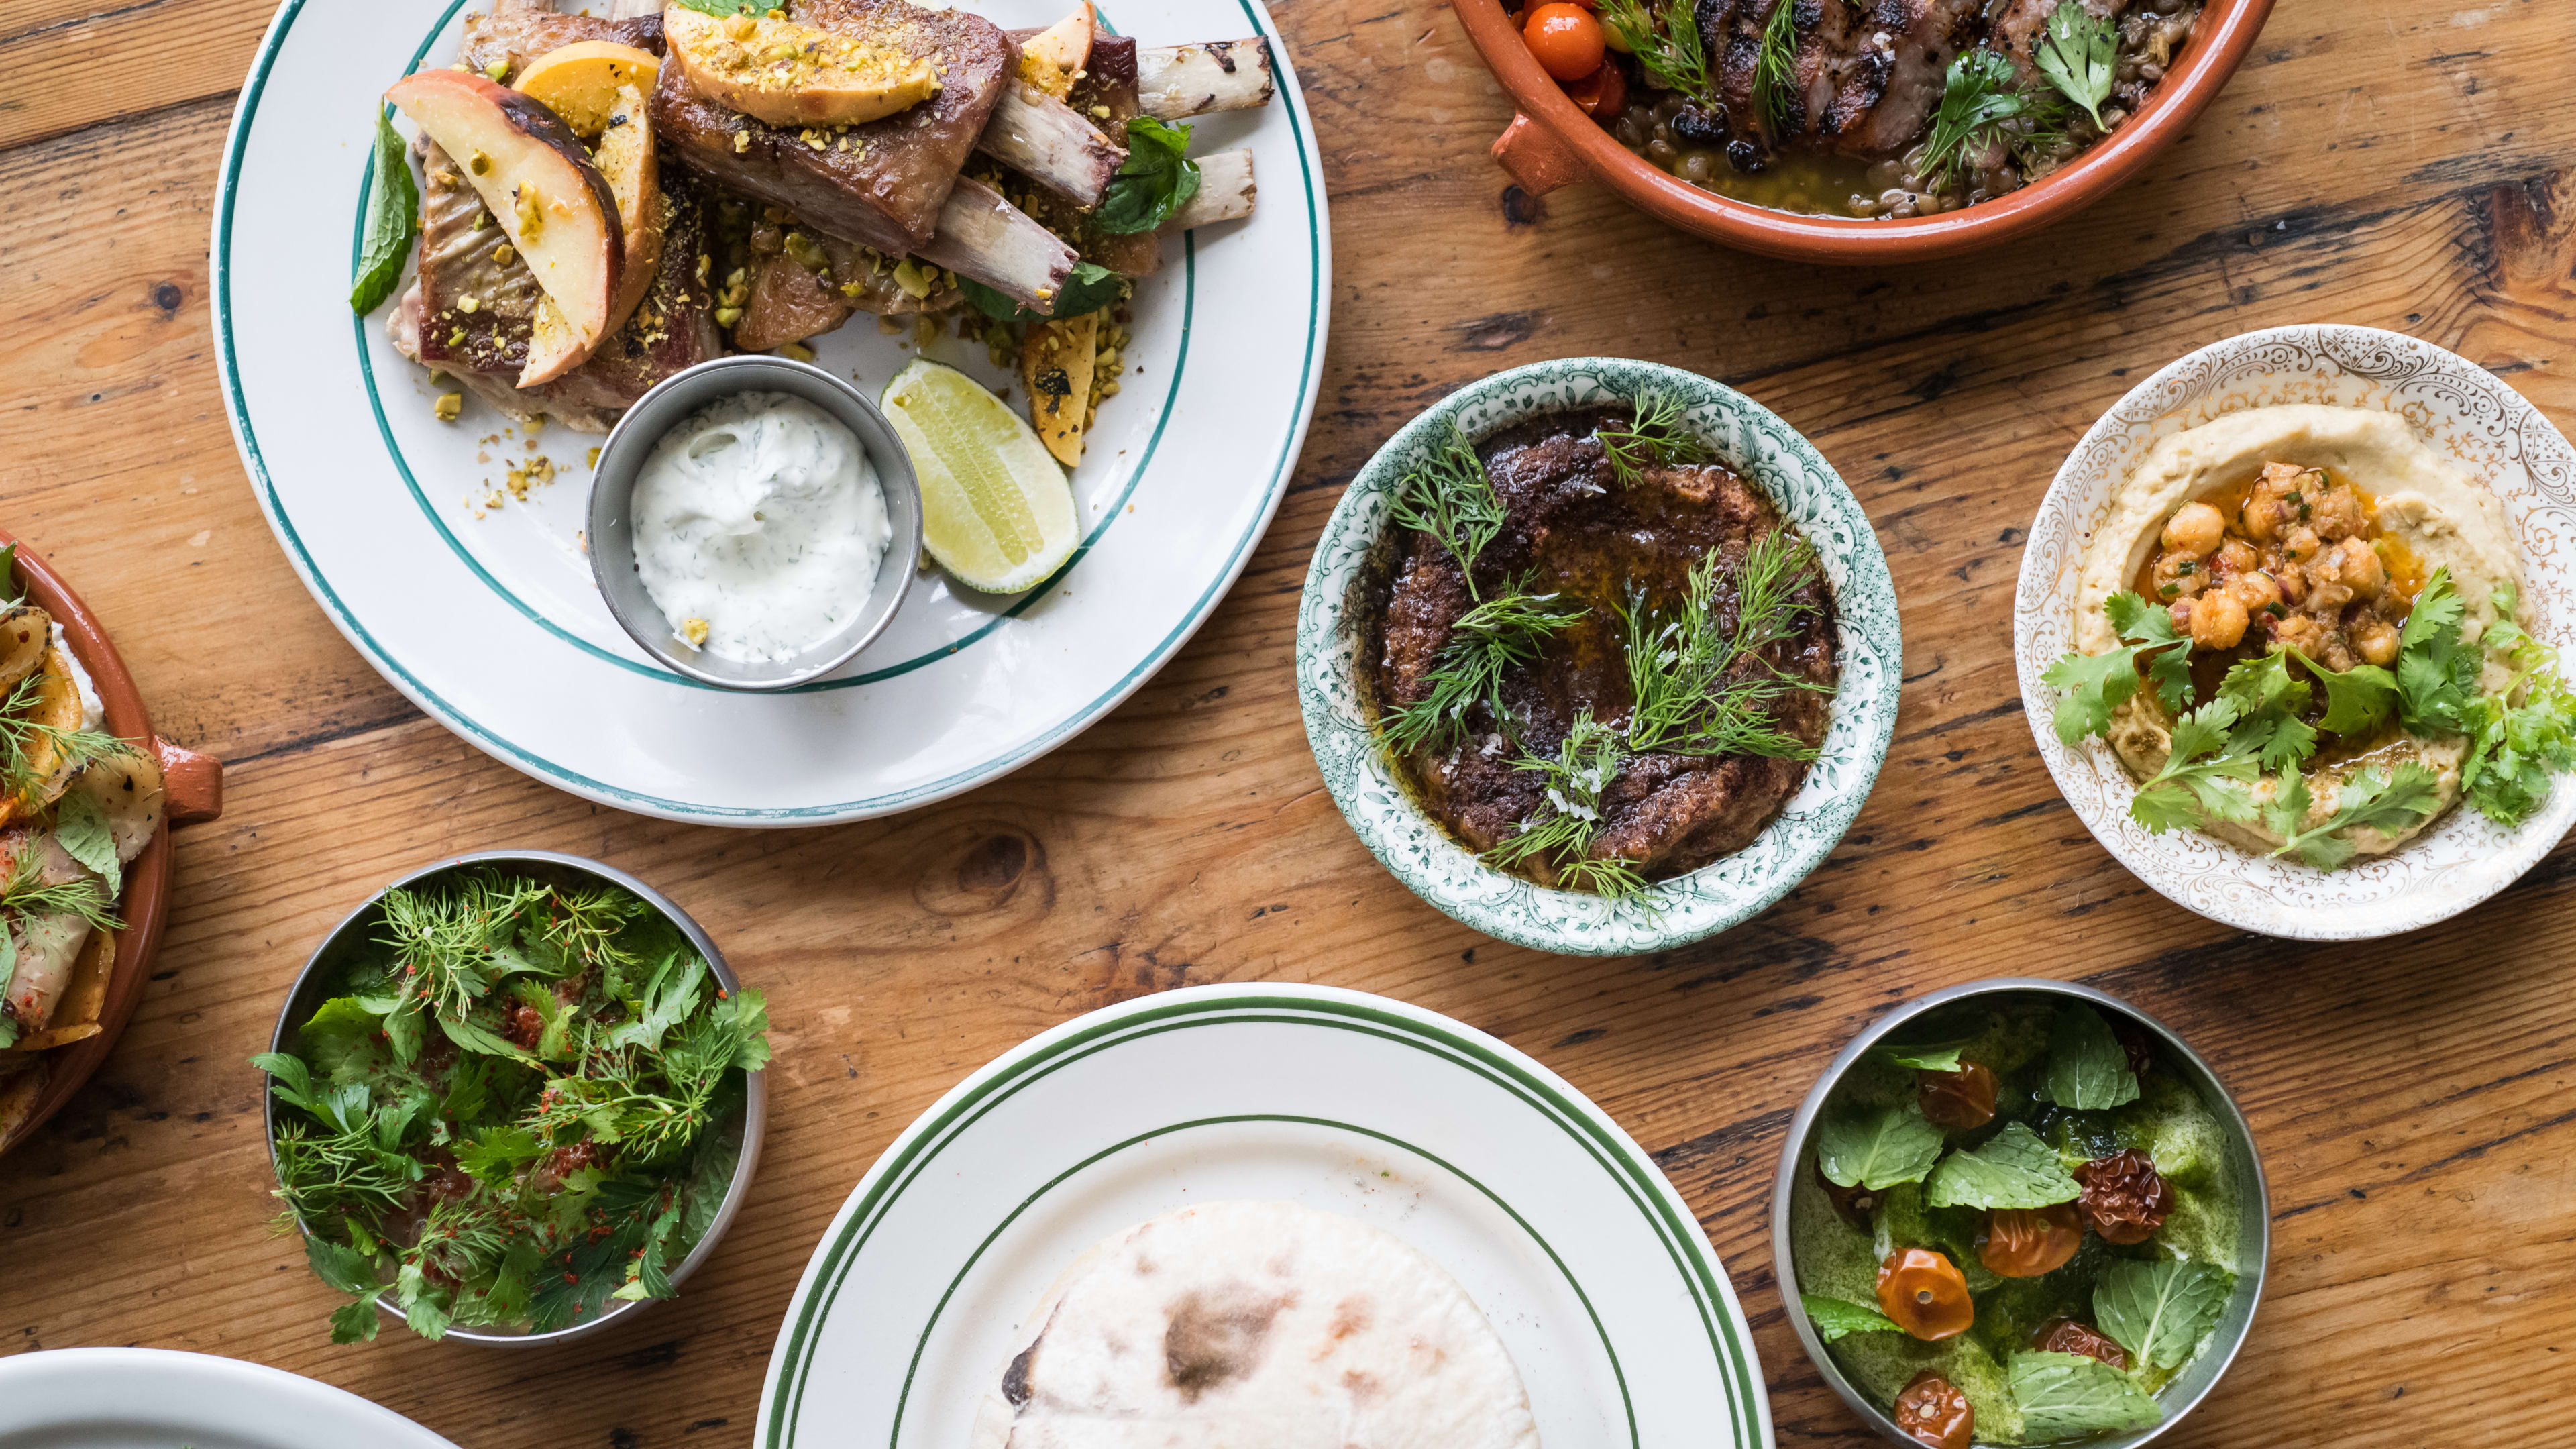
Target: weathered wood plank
{"x":2397,"y":165}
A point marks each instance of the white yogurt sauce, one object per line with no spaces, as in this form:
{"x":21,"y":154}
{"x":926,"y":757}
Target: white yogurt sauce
{"x":759,"y":525}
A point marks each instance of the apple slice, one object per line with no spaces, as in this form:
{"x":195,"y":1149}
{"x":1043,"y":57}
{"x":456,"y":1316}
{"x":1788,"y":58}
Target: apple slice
{"x":580,"y":81}
{"x":552,"y":202}
{"x":1053,"y":57}
{"x":795,"y":75}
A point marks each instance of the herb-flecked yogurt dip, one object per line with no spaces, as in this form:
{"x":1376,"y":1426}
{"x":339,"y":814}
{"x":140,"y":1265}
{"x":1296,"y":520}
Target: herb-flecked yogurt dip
{"x":2016,"y":1223}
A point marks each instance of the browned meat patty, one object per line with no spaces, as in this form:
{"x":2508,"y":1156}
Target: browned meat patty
{"x":881,"y":184}
{"x":1572,"y":529}
{"x":1906,"y":47}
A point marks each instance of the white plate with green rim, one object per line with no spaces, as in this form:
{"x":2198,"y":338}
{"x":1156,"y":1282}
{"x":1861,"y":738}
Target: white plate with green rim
{"x":1756,"y":443}
{"x":152,"y":1398}
{"x":1581,"y":1255}
{"x":491,"y":623}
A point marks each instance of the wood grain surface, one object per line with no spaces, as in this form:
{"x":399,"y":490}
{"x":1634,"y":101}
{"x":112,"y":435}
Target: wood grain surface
{"x":2402,"y":163}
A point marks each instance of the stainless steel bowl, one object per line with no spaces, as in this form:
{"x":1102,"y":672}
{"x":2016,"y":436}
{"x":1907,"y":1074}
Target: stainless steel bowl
{"x":313,"y":985}
{"x":612,"y":531}
{"x":2255,"y":1225}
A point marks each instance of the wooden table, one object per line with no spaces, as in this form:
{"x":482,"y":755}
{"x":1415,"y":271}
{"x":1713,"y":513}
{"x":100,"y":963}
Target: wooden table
{"x":2394,"y":162}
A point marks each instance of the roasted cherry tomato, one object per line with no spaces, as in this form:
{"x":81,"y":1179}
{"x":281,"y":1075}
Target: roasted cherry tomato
{"x":1958,"y":1101}
{"x":2125,"y":1198}
{"x":1934,"y":1411}
{"x":1925,"y":1293}
{"x":2026,"y":1242}
{"x":1602,"y":93}
{"x":1566,"y":39}
{"x":2065,"y":1335}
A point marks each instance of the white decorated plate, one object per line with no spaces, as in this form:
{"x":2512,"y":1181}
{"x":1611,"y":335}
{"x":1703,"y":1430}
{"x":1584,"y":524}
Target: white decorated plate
{"x":490,"y":623}
{"x":153,"y":1398}
{"x":1582,"y":1256}
{"x":1756,"y":443}
{"x":2463,"y":411}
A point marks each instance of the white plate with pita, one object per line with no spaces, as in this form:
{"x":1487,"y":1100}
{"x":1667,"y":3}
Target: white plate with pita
{"x":485,"y":614}
{"x":1590,"y":1270}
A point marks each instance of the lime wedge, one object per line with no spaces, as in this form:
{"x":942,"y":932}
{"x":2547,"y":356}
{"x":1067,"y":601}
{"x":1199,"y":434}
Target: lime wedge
{"x":996,"y":511}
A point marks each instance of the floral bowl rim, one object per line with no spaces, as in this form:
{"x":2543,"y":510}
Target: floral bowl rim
{"x":1757,"y":443}
{"x":2460,"y":408}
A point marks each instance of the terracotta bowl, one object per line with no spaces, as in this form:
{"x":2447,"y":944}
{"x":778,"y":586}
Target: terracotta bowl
{"x":1552,"y":143}
{"x":195,"y":786}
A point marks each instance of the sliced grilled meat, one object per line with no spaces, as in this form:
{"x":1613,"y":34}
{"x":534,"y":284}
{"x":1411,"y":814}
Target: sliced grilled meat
{"x":790,"y":302}
{"x":1829,"y":49}
{"x":1738,"y":57}
{"x":881,"y":184}
{"x":1904,"y":62}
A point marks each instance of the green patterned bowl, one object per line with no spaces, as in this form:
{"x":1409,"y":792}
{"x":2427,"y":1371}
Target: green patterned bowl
{"x":1357,"y":549}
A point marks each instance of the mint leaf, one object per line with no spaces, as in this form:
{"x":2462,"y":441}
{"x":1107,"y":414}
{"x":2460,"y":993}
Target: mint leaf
{"x":2014,"y":1169}
{"x":1877,"y":1149}
{"x":1943,"y":1058}
{"x":1156,"y":180}
{"x":2160,"y":1312}
{"x":1834,"y":1317}
{"x":1090,"y":288}
{"x":393,"y":220}
{"x":340,"y":1037}
{"x":2097,"y":684}
{"x":2066,"y":1395}
{"x":80,"y":826}
{"x":2088,"y":1069}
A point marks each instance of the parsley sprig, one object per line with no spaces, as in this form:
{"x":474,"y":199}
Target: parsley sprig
{"x":2080,"y":55}
{"x":1983,"y":102}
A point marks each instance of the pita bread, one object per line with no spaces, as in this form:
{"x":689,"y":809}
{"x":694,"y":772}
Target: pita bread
{"x":1257,"y":1325}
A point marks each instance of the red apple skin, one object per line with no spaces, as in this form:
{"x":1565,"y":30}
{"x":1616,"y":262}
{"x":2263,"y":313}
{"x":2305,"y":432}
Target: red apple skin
{"x":579,"y":256}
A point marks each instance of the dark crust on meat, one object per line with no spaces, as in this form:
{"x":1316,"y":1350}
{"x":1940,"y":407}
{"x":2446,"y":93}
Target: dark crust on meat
{"x":1572,"y":528}
{"x":881,"y":184}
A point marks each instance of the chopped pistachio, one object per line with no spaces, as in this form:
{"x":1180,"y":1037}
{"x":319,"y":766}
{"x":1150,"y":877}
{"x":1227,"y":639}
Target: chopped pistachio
{"x":478,"y":163}
{"x":798,"y":351}
{"x":695,"y":632}
{"x":915,"y":279}
{"x":498,"y":70}
{"x":594,"y":457}
{"x":504,"y":254}
{"x":467,"y":305}
{"x":741,"y":142}
{"x":727,"y":316}
{"x":449,"y":407}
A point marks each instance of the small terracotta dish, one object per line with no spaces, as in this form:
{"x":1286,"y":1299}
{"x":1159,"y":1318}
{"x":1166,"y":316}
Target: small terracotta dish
{"x":1552,"y":143}
{"x":2466,"y":413}
{"x":1332,"y":624}
{"x":194,"y":786}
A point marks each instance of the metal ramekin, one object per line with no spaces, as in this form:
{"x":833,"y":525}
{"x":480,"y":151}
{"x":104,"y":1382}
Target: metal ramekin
{"x":312,"y":984}
{"x":2197,"y":1377}
{"x":611,"y":536}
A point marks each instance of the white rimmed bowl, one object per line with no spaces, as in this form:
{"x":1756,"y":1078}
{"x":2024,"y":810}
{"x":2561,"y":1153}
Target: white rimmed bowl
{"x":1332,"y":623}
{"x":2463,"y":411}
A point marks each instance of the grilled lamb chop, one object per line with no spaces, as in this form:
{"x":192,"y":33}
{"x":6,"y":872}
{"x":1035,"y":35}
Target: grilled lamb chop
{"x":790,"y":302}
{"x":881,"y":184}
{"x":1175,"y":82}
{"x":1906,"y":50}
{"x":1051,"y":143}
{"x":1738,"y":54}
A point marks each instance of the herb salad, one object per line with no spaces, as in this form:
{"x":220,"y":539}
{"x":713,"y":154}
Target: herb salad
{"x":521,"y":1102}
{"x":2017,"y":1227}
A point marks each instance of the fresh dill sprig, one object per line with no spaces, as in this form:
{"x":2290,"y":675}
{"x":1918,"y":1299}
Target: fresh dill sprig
{"x":1502,"y":633}
{"x":2080,"y":55}
{"x":1775,"y":73}
{"x":584,"y":925}
{"x":1585,"y":763}
{"x":1656,"y":434}
{"x":25,"y":894}
{"x":1690,"y":696}
{"x":1666,"y":42}
{"x":32,"y":752}
{"x":445,"y":945}
{"x":1980,"y":101}
{"x":1450,"y":498}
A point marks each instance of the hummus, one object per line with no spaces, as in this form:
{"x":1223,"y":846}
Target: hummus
{"x":2428,"y":512}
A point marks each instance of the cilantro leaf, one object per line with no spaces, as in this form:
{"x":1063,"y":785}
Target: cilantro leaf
{"x":2517,"y":748}
{"x":1834,"y":1317}
{"x":341,"y":1038}
{"x":2387,"y":801}
{"x":1877,"y":1149}
{"x":2206,"y":773}
{"x":2064,"y":1395}
{"x":2097,"y":684}
{"x":2088,"y":1069}
{"x":355,"y":1322}
{"x":393,"y":220}
{"x":2080,"y":56}
{"x":2437,"y":675}
{"x":2014,"y":1169}
{"x":1156,"y":180}
{"x":2160,"y":1311}
{"x":289,"y":1078}
{"x":2357,"y":699}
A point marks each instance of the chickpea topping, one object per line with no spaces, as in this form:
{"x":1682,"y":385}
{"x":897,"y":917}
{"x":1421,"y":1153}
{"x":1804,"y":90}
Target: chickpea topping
{"x":2196,"y":529}
{"x":2217,"y":621}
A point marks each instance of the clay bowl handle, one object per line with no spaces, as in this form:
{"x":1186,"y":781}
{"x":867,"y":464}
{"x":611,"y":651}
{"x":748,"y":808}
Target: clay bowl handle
{"x":1537,"y":157}
{"x":192,"y":784}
